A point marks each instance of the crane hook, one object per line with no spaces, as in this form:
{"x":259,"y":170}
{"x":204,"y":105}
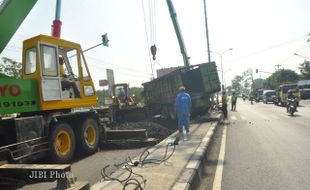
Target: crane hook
{"x":153,"y":51}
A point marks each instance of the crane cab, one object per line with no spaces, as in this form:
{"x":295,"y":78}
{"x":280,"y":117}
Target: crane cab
{"x":60,"y":68}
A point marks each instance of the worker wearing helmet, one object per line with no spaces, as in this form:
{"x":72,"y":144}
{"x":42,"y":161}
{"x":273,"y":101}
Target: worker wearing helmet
{"x":183,"y":105}
{"x":290,"y":99}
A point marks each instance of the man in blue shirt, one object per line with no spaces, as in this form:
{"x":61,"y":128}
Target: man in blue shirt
{"x":183,"y":105}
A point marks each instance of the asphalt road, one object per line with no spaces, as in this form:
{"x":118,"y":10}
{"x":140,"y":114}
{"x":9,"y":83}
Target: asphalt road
{"x":265,"y":149}
{"x":89,"y":168}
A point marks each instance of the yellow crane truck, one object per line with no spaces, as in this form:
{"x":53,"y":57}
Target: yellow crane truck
{"x":55,"y":81}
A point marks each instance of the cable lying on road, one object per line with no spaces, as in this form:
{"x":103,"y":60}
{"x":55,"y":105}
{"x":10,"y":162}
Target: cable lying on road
{"x":145,"y":154}
{"x":133,"y":178}
{"x":129,"y":180}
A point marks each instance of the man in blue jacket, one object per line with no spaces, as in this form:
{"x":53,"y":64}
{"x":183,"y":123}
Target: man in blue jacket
{"x":183,"y":105}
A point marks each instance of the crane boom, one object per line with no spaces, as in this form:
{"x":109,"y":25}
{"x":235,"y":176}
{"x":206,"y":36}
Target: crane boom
{"x":12,"y":14}
{"x":177,"y":29}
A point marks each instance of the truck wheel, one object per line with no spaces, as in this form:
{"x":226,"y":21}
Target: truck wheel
{"x":62,"y":143}
{"x":88,"y":136}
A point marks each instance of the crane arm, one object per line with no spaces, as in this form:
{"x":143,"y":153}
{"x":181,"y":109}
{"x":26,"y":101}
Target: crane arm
{"x":12,"y":14}
{"x":176,"y":26}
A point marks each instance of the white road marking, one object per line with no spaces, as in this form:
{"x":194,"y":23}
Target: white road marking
{"x":242,"y":117}
{"x":234,"y":118}
{"x":217,"y":183}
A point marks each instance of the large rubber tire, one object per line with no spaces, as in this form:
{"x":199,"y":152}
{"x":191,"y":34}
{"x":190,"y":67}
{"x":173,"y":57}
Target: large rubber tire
{"x":291,"y":112}
{"x":62,"y":143}
{"x":88,"y":135}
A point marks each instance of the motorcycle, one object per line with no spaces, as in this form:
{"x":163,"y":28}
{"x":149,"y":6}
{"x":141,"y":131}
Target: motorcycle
{"x":291,"y":106}
{"x":275,"y":100}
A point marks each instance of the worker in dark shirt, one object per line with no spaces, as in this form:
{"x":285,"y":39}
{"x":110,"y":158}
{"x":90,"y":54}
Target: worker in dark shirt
{"x":224,"y":104}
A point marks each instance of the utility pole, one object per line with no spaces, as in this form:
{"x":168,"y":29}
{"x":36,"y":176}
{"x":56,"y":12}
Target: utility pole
{"x":278,"y":66}
{"x":207,"y":31}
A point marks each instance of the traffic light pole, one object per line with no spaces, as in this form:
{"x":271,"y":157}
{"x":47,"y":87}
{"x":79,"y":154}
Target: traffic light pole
{"x":105,"y":42}
{"x":92,"y":47}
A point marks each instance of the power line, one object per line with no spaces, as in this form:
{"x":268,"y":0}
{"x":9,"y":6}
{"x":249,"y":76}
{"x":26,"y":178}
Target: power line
{"x":122,"y":72}
{"x":126,"y":73}
{"x":291,"y":55}
{"x":121,"y":67}
{"x":268,"y":48}
{"x":147,"y":40}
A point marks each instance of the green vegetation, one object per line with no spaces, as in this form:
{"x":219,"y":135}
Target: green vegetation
{"x":305,"y":70}
{"x":280,"y":77}
{"x":137,"y":91}
{"x":236,"y":84}
{"x":10,"y":67}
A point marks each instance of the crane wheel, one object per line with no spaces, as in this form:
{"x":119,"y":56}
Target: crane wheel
{"x":62,"y":142}
{"x":88,"y":136}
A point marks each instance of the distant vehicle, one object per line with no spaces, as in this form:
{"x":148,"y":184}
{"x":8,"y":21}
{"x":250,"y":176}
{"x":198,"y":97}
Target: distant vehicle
{"x":281,"y":93}
{"x":304,"y":88}
{"x":259,"y":95}
{"x":268,"y":96}
{"x":292,"y":103}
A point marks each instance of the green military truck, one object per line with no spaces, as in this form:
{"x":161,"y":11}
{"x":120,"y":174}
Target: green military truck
{"x":200,"y":81}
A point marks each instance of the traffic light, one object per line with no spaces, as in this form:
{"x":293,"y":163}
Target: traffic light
{"x":105,"y":40}
{"x":256,"y":70}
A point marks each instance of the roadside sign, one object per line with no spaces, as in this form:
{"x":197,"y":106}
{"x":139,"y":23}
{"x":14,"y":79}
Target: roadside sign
{"x":103,"y":82}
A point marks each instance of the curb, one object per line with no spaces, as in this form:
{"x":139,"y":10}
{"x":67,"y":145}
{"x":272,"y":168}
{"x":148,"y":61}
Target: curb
{"x":191,"y":175}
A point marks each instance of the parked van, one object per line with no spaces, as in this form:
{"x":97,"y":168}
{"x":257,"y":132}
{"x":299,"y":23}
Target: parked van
{"x":268,"y":96}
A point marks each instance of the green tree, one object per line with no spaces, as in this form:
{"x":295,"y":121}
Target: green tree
{"x":279,"y":77}
{"x":305,"y":70}
{"x":236,"y":84}
{"x":101,"y":94}
{"x":10,"y":67}
{"x":138,"y":92}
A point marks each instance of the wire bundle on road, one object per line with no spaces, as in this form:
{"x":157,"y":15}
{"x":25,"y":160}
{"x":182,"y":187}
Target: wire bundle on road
{"x":133,"y":178}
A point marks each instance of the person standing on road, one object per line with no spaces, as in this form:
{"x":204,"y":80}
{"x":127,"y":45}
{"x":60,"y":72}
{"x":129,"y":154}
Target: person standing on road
{"x":233,"y":102}
{"x":183,"y":105}
{"x":224,"y":104}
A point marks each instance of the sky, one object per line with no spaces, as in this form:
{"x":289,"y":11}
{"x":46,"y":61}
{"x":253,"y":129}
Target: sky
{"x":261,"y":33}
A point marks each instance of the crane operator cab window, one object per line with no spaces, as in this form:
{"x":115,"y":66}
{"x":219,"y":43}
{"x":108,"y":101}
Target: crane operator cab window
{"x":121,"y":92}
{"x":69,"y":73}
